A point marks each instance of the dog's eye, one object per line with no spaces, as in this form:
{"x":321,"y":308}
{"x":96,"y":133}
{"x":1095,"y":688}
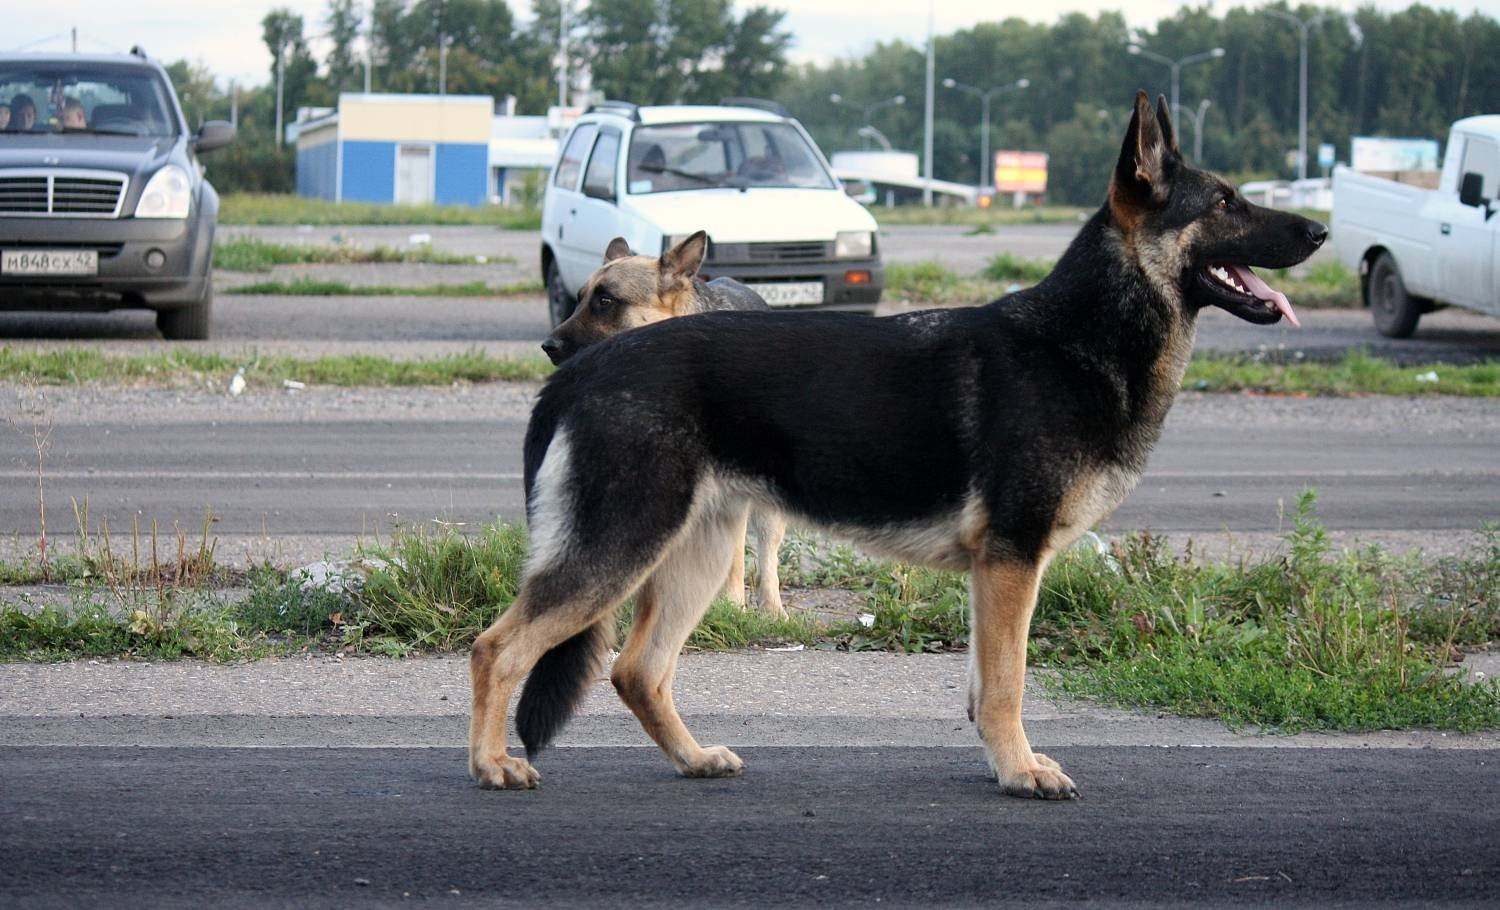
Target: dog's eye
{"x":1224,"y":201}
{"x":603,"y":303}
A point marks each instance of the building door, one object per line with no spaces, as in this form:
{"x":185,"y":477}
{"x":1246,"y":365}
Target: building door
{"x":414,"y":174}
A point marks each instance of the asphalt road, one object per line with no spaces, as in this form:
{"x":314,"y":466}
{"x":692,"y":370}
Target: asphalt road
{"x":804,"y":826}
{"x":1223,"y":463}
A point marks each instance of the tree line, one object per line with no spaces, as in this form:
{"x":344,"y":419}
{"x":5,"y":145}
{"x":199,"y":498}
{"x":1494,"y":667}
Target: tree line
{"x":1400,"y":73}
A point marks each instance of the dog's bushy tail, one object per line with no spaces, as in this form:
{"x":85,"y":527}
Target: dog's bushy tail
{"x":558,"y":683}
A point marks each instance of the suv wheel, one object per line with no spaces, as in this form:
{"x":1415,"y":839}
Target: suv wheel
{"x":560,"y":303}
{"x":1396,"y":312}
{"x":189,"y":323}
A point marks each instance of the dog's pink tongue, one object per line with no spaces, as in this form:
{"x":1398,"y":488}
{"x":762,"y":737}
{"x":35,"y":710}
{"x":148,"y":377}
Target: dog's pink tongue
{"x":1264,"y":291}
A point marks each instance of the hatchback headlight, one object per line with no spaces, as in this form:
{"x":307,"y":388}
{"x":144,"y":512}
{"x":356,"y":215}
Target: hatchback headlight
{"x":168,"y":194}
{"x":854,"y":244}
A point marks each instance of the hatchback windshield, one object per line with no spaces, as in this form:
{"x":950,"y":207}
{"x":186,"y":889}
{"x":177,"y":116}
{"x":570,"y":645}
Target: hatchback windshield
{"x":83,"y":99}
{"x":694,"y":156}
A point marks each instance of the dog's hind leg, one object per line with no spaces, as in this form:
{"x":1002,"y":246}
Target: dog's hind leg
{"x":564,"y":615}
{"x":734,"y":584}
{"x":770,"y":528}
{"x":1003,"y":595}
{"x":667,"y":607}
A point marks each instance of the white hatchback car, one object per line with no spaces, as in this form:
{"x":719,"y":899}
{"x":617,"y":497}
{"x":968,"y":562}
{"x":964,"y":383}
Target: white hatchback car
{"x":744,"y":171}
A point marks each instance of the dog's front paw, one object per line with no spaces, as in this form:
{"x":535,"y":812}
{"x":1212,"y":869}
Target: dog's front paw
{"x":504,"y":773}
{"x":714,"y":761}
{"x":1042,"y":779}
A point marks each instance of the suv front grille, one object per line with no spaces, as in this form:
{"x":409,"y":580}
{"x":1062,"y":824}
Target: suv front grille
{"x":810,"y":251}
{"x":794,"y":251}
{"x":61,"y":193}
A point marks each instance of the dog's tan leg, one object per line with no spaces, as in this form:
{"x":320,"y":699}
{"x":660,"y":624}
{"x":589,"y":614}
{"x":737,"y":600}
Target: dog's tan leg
{"x":734,"y":583}
{"x":667,"y":607}
{"x":501,"y":656}
{"x":770,"y":528}
{"x":1003,"y":595}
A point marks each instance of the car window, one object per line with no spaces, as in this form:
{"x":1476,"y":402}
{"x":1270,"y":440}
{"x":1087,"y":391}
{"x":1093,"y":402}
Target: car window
{"x":84,"y":99}
{"x":599,"y":180}
{"x":687,"y":156}
{"x":1483,"y":157}
{"x":571,"y":164}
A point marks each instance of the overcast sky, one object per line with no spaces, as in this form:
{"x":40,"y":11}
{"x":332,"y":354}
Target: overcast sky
{"x":226,"y":33}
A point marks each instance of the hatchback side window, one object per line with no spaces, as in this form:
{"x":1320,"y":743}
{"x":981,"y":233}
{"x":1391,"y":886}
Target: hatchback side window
{"x":571,"y":164}
{"x":599,"y":180}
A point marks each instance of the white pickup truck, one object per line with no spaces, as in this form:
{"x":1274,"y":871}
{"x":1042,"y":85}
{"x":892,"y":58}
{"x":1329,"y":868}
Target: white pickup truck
{"x":1417,"y":250}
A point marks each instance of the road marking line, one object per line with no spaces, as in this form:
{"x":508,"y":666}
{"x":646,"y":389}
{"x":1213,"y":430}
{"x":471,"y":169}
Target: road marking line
{"x":260,"y":475}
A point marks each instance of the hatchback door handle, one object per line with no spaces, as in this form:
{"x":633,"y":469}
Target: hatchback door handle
{"x":1446,"y":228}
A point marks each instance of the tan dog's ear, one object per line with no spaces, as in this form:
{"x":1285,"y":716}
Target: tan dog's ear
{"x":618,"y":248}
{"x":685,"y":258}
{"x":1140,"y":175}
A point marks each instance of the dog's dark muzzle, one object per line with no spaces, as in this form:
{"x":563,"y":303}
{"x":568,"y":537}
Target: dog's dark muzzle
{"x":558,"y":349}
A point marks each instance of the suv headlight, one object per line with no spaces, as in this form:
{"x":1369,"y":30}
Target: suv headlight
{"x":168,"y":194}
{"x":854,"y":244}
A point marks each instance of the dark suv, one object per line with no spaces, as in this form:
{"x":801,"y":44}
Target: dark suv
{"x":103,"y":204}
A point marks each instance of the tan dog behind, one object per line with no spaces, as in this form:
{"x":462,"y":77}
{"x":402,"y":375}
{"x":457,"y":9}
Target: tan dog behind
{"x":629,"y":291}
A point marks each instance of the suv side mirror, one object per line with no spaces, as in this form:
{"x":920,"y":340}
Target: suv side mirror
{"x":598,"y":192}
{"x":212,"y":135}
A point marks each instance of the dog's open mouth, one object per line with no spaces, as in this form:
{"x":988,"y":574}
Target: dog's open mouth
{"x":1246,"y":290}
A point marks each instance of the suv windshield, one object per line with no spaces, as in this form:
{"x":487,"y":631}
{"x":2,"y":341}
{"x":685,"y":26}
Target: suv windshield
{"x":52,"y":98}
{"x":695,"y":156}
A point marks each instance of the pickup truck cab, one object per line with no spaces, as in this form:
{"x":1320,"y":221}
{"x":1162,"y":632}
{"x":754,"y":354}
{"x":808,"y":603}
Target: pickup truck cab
{"x":744,"y":171}
{"x":103,"y":203}
{"x":1417,"y":250}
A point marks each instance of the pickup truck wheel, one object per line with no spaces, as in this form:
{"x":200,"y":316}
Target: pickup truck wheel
{"x":189,"y":323}
{"x":560,"y":303}
{"x":1396,"y":312}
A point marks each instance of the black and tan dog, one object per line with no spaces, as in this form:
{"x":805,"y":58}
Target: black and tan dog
{"x":984,"y":438}
{"x":629,"y":291}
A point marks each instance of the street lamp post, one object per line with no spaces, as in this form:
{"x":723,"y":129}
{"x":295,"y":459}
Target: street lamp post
{"x":1176,"y":65}
{"x":984,"y":106}
{"x":1197,"y":127}
{"x":1304,"y":26}
{"x":868,"y":110}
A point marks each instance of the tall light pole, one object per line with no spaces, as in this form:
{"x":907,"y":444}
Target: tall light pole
{"x":927,"y":118}
{"x":280,"y":82}
{"x":868,"y":110}
{"x":562,"y":53}
{"x":1197,"y":127}
{"x":1303,"y":27}
{"x":984,"y":129}
{"x":1176,"y":65}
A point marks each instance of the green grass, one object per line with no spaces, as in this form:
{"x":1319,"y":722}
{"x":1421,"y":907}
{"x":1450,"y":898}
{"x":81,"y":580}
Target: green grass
{"x":278,"y":209}
{"x":184,"y":366}
{"x":1300,"y":639}
{"x":1009,"y":267}
{"x":998,"y":215}
{"x":314,"y":287}
{"x":1356,"y":373}
{"x":248,"y":254}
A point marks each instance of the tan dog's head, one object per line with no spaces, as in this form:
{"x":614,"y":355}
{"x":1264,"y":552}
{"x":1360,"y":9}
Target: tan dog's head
{"x":629,"y":291}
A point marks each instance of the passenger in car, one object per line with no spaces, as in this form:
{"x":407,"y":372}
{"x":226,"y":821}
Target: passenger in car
{"x":73,"y":116}
{"x":22,"y":113}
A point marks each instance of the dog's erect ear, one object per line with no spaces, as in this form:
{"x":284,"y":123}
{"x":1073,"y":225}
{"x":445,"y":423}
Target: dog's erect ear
{"x":1140,"y":178}
{"x":1164,"y":120}
{"x":685,"y":258}
{"x":618,"y":248}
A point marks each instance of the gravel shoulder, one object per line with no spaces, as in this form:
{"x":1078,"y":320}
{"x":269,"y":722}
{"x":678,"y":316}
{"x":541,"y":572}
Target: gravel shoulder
{"x":744,"y":697}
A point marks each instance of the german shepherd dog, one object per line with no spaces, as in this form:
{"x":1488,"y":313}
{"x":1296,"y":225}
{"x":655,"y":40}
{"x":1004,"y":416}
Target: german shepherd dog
{"x":630,"y":291}
{"x":984,"y":438}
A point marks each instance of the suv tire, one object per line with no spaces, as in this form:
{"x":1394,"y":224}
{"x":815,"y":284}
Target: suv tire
{"x":189,"y":323}
{"x":560,"y":303}
{"x":1396,"y":312}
